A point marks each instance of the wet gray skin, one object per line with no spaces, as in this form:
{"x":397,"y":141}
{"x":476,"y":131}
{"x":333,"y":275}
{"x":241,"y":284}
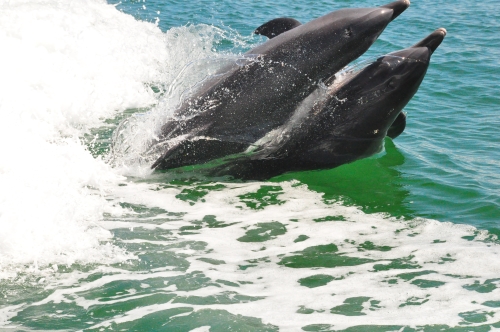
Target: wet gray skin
{"x":237,"y":108}
{"x":343,"y":122}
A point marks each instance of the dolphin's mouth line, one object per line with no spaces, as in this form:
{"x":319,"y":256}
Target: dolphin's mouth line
{"x":352,"y":69}
{"x":403,"y":58}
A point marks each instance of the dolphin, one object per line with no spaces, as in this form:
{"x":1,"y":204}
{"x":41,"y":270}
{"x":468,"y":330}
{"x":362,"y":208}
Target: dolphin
{"x":243,"y":102}
{"x":342,"y":122}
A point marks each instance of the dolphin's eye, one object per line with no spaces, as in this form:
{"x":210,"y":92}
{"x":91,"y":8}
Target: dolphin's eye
{"x":348,"y":32}
{"x":391,"y":84}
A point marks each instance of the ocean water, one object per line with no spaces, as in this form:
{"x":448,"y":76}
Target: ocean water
{"x":91,"y":239}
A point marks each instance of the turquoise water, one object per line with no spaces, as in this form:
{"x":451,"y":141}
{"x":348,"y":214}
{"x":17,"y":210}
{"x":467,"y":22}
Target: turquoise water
{"x":90,"y":239}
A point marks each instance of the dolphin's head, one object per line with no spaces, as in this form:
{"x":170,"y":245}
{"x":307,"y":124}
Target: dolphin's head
{"x":342,"y":36}
{"x":381,"y":90}
{"x":359,"y":24}
{"x":323,"y":46}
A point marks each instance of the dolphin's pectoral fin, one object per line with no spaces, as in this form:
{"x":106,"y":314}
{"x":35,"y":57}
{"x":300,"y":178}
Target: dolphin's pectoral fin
{"x":197,"y":150}
{"x":161,"y":163}
{"x":246,"y":168}
{"x":276,"y":27}
{"x":398,"y":126}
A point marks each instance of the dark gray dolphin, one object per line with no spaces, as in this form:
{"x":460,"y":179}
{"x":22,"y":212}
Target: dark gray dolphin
{"x":343,"y":122}
{"x":241,"y":105}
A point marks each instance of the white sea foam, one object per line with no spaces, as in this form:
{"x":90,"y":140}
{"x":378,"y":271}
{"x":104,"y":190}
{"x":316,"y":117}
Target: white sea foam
{"x":66,"y":66}
{"x":445,"y":287}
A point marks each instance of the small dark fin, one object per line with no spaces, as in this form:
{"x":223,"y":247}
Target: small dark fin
{"x":245,"y":168}
{"x":398,"y":126}
{"x":195,"y":152}
{"x":276,"y":27}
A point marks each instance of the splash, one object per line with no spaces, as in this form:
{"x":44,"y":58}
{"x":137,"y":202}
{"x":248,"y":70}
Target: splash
{"x":66,"y":67}
{"x":133,"y":151}
{"x":71,"y":72}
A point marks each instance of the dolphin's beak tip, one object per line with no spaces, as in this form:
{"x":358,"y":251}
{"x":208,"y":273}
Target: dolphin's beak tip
{"x":397,"y":7}
{"x":442,"y":31}
{"x":440,"y":34}
{"x":405,"y":3}
{"x":433,"y":40}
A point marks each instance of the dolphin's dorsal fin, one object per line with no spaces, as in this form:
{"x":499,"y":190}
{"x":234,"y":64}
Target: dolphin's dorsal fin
{"x":276,"y":27}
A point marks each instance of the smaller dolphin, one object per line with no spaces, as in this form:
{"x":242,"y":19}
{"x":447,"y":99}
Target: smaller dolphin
{"x":343,"y":122}
{"x":243,"y":103}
